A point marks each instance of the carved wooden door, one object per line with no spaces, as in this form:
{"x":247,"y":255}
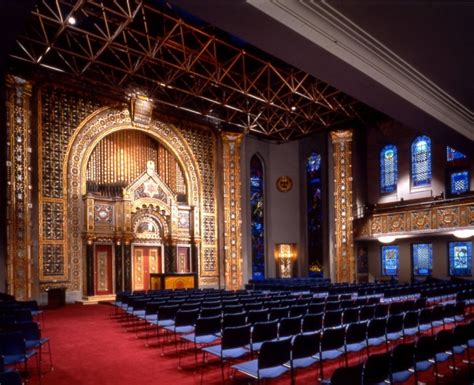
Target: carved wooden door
{"x":146,"y":260}
{"x":103,"y":270}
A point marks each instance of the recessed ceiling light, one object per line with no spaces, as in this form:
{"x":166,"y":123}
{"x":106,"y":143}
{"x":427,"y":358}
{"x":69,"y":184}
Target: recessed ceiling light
{"x":293,"y":108}
{"x":71,"y":20}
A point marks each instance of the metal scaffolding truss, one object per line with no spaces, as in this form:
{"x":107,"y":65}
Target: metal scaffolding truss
{"x":133,"y":45}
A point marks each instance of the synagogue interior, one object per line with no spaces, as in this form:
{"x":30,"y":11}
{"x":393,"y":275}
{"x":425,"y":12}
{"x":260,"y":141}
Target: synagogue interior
{"x":298,"y":147}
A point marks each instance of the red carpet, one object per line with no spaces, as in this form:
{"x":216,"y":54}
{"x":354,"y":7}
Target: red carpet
{"x":89,"y":347}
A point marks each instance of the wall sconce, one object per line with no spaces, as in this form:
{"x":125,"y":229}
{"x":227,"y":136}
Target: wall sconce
{"x":285,"y":255}
{"x":464,"y":233}
{"x":386,"y":239}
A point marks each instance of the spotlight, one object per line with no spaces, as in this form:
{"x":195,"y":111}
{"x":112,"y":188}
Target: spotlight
{"x":71,"y":20}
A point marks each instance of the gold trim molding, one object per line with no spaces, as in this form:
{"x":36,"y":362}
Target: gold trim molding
{"x":345,"y":264}
{"x":232,"y":210}
{"x":435,"y":217}
{"x":19,"y":204}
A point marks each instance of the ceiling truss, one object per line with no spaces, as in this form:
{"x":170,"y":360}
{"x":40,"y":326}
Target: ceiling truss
{"x":132,"y":45}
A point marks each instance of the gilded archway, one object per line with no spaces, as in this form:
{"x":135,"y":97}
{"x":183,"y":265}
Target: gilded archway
{"x":93,"y":129}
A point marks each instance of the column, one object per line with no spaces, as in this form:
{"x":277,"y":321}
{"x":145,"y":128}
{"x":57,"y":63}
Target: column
{"x":127,"y":265}
{"x":232,"y":211}
{"x":118,"y":265}
{"x":344,"y":261}
{"x":90,"y":267}
{"x":19,"y":202}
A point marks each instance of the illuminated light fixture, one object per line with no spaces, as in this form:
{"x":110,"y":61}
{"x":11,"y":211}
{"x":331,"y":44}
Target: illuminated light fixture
{"x":293,"y":108}
{"x":71,"y":20}
{"x":386,"y":239}
{"x":463,"y":234}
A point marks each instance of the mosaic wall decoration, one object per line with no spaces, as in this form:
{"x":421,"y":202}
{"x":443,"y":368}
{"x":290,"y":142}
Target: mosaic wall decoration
{"x":343,"y":238}
{"x":53,"y":260}
{"x":19,"y":202}
{"x":421,"y":161}
{"x":422,"y":259}
{"x":315,"y":215}
{"x":460,"y":258}
{"x":257,"y":223}
{"x":390,"y":260}
{"x":103,"y":214}
{"x":232,"y":211}
{"x":388,"y":169}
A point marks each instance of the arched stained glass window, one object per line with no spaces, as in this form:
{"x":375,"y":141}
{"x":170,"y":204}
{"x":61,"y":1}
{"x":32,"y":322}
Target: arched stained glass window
{"x":315,"y":234}
{"x":388,"y":169}
{"x":257,"y":218}
{"x":421,"y":161}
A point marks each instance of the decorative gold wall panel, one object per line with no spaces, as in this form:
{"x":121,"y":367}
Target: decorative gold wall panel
{"x":19,"y":203}
{"x":203,"y":144}
{"x":343,"y":237}
{"x":438,"y":216}
{"x":59,"y":113}
{"x":232,"y":211}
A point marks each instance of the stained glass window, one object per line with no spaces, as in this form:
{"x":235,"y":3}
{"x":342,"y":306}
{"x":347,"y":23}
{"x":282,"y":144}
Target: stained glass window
{"x":388,"y":169}
{"x":390,"y":260}
{"x":460,"y":258}
{"x":452,"y":154}
{"x":257,"y":218}
{"x":422,"y":254}
{"x":459,"y":182}
{"x":315,"y":235}
{"x":421,"y":161}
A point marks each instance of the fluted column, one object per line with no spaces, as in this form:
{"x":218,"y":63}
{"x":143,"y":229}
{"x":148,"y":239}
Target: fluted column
{"x":344,"y":261}
{"x":232,"y":211}
{"x":19,"y":203}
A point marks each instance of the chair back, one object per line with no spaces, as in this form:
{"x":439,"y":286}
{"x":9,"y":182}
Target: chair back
{"x":443,"y":341}
{"x":424,"y":348}
{"x":207,"y":325}
{"x":167,"y":312}
{"x":333,"y":339}
{"x":376,"y":369}
{"x":306,"y":345}
{"x":274,"y":353}
{"x":12,"y":344}
{"x":186,"y":317}
{"x":254,"y":316}
{"x":376,"y":328}
{"x":312,"y":322}
{"x":348,"y":375}
{"x":332,"y":318}
{"x":235,"y":336}
{"x":264,"y":331}
{"x":10,"y":378}
{"x":403,"y":357}
{"x":356,"y":332}
{"x":233,"y":319}
{"x":289,"y":326}
{"x":30,"y":331}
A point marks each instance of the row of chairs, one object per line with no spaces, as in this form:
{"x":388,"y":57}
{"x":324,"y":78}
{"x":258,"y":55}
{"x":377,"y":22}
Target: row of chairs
{"x":408,"y":360}
{"x":355,"y":337}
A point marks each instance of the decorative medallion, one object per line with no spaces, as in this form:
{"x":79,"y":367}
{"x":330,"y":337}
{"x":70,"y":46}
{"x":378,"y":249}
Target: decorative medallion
{"x":284,"y":184}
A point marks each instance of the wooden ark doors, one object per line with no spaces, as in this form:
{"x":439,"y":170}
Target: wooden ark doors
{"x":146,"y":260}
{"x":103,"y":270}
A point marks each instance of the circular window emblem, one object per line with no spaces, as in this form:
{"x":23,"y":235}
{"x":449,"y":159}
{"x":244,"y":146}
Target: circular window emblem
{"x":284,"y":184}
